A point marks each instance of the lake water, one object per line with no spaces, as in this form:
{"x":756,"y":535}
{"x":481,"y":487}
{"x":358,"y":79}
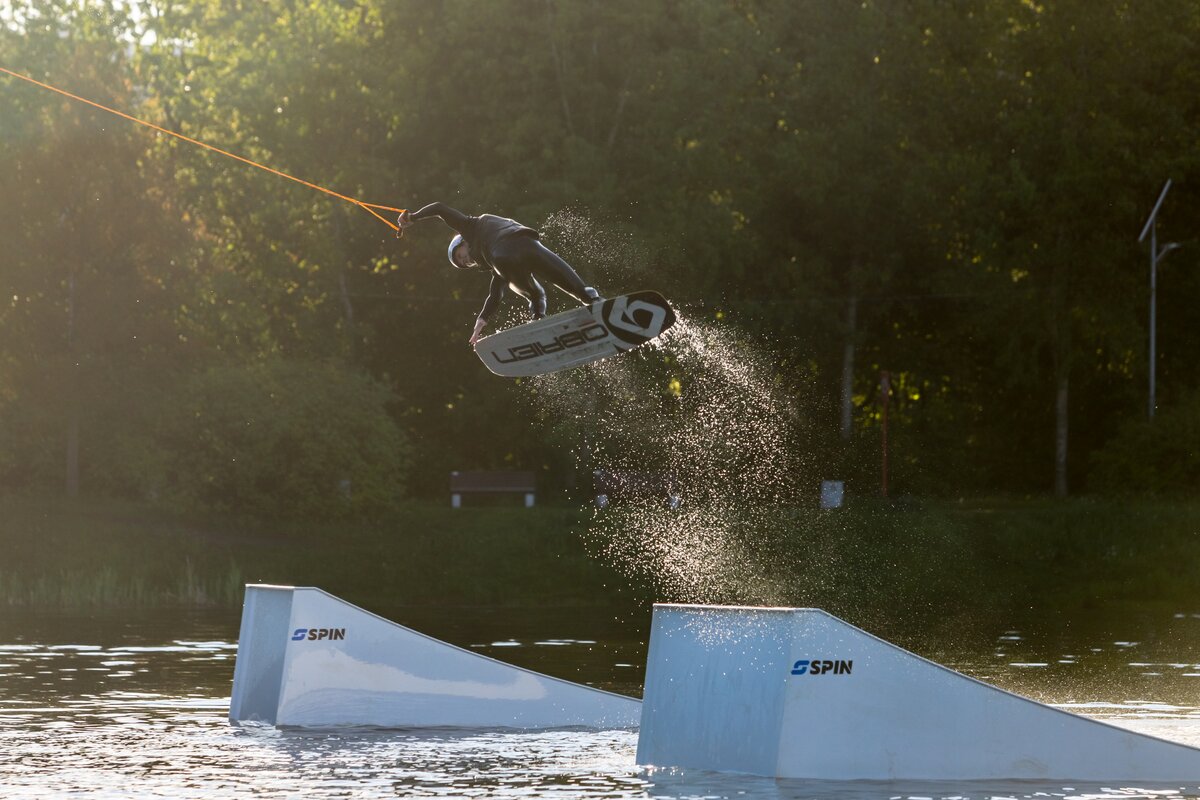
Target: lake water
{"x":134,"y":704}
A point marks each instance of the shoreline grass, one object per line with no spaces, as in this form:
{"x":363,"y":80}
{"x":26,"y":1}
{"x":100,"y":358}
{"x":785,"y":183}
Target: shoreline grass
{"x":105,"y":553}
{"x":930,"y":559}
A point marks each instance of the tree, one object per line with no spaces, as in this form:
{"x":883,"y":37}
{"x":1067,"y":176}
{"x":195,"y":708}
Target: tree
{"x":97,"y":252}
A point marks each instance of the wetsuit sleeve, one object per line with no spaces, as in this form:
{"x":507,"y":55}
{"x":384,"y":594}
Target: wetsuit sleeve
{"x":451,"y":216}
{"x":495,"y":295}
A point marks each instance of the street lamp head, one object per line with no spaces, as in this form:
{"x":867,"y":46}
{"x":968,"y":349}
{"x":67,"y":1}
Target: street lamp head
{"x":1166,"y":248}
{"x":1154,"y":213}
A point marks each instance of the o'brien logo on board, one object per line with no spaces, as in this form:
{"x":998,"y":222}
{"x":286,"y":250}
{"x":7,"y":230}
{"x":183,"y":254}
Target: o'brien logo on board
{"x":592,"y":333}
{"x":822,"y":667}
{"x":318,"y":634}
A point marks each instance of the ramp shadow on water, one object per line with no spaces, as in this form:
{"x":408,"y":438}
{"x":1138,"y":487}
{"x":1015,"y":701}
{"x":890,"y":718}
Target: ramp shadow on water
{"x":135,"y":704}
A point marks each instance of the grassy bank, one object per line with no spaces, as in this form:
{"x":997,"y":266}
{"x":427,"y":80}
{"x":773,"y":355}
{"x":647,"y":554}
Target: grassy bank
{"x":1003,"y":556}
{"x":936,"y":558}
{"x":103,"y":553}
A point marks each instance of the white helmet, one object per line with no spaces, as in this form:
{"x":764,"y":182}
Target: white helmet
{"x":454,"y":244}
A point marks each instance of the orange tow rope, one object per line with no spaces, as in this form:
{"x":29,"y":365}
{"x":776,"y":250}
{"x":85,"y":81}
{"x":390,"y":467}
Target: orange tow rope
{"x":368,"y":207}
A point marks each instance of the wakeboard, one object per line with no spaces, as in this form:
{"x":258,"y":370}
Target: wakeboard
{"x":580,"y":336}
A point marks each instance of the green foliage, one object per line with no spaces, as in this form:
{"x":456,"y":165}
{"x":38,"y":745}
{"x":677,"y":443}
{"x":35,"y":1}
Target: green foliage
{"x":970,"y":176}
{"x":1159,"y":457}
{"x":278,"y":439}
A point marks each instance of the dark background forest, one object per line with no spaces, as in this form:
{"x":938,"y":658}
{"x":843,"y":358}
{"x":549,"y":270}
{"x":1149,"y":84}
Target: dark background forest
{"x":948,"y":191}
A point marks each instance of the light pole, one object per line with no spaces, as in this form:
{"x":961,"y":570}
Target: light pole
{"x":1156,"y":255}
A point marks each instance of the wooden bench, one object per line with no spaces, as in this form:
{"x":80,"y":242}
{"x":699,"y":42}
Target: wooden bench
{"x":485,"y":482}
{"x":620,"y":485}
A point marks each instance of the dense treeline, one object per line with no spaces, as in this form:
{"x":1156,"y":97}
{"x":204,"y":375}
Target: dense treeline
{"x":948,"y":191}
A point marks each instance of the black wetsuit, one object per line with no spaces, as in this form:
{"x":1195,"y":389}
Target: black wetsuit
{"x":515,"y":257}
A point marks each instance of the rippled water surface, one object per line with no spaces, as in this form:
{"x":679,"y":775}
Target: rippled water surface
{"x":134,"y":705}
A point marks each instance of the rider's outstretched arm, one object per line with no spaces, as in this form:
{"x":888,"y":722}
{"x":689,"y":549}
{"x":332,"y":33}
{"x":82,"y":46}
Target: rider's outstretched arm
{"x":451,"y":216}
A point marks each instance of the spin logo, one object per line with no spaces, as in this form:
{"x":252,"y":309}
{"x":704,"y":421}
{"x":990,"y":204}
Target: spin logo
{"x":318,"y":634}
{"x":822,"y":667}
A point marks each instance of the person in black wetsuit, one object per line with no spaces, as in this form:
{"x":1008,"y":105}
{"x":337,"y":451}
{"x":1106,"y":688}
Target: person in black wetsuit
{"x":511,"y":252}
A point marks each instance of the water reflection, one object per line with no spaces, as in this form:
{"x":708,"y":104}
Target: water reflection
{"x":135,"y":705}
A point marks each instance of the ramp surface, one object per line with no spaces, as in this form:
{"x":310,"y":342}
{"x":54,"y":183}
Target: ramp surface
{"x":308,"y":659}
{"x":798,"y":693}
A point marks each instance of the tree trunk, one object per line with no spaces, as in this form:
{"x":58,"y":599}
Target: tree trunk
{"x":347,"y":305}
{"x":73,"y":451}
{"x":848,"y":368}
{"x":1060,"y":332}
{"x":1060,"y":433}
{"x":72,"y":465}
{"x":559,"y":69}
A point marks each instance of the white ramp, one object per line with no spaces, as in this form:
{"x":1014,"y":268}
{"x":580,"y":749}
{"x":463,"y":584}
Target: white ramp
{"x":308,"y":659}
{"x":798,"y":693}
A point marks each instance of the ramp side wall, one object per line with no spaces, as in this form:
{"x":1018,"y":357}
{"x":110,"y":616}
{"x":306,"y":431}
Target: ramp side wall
{"x":262,"y":642}
{"x":714,"y":689}
{"x":798,"y":693}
